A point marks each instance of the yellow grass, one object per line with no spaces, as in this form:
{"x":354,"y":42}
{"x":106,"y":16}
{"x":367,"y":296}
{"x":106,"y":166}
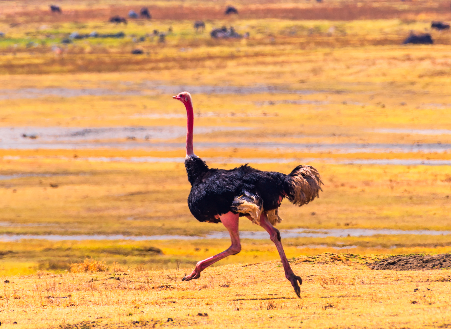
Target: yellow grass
{"x":338,"y":291}
{"x":33,"y":256}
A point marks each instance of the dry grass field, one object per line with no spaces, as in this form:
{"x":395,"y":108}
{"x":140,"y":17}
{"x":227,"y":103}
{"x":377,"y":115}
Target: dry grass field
{"x":338,"y":291}
{"x":92,"y":145}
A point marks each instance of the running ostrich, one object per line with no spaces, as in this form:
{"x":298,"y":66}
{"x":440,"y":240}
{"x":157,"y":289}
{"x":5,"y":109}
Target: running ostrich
{"x":219,"y":195}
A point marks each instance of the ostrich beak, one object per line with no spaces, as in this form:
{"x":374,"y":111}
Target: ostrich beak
{"x":176,"y":97}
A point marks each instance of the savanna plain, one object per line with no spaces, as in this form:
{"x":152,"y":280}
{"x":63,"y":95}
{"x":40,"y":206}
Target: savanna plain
{"x":95,"y":230}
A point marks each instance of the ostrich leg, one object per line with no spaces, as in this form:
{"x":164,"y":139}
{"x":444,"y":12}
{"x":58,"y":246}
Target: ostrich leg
{"x":230,"y":221}
{"x":274,"y":235}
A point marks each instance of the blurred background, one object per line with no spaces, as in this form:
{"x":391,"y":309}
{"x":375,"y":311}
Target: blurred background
{"x":92,"y":145}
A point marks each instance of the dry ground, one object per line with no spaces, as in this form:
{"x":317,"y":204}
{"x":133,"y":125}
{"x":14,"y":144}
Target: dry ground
{"x":338,"y":291}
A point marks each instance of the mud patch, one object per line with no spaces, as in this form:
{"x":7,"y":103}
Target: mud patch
{"x":413,"y":263}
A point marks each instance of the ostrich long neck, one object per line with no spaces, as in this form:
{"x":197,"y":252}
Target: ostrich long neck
{"x":189,"y":128}
{"x":195,"y":167}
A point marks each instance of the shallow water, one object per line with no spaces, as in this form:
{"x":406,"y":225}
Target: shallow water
{"x":14,"y":176}
{"x":258,"y":235}
{"x":8,"y":177}
{"x":18,"y":237}
{"x":435,"y":106}
{"x":76,"y":138}
{"x":145,"y":88}
{"x":295,"y":102}
{"x":31,"y":93}
{"x":415,"y":131}
{"x":152,"y":138}
{"x":318,"y":246}
{"x":204,"y":115}
{"x":396,"y":162}
{"x":336,"y":148}
{"x":221,"y":90}
{"x":12,"y":224}
{"x":323,"y":233}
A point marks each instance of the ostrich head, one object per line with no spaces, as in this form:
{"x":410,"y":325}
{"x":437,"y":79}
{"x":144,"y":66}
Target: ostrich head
{"x":184,"y":97}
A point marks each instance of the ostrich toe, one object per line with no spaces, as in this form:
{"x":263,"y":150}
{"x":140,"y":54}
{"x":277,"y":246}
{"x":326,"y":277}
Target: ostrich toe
{"x":294,"y":279}
{"x":192,"y":276}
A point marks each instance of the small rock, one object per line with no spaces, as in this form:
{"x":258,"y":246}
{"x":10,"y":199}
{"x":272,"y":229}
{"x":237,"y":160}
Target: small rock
{"x":54,"y":185}
{"x":6,"y":281}
{"x":170,"y":320}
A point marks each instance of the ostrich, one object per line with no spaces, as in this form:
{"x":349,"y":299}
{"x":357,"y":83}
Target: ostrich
{"x":219,"y":195}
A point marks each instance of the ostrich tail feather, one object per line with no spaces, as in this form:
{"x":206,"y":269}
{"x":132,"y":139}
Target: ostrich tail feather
{"x":304,"y":184}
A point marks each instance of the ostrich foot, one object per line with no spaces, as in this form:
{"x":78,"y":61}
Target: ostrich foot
{"x":294,"y":279}
{"x":192,"y":276}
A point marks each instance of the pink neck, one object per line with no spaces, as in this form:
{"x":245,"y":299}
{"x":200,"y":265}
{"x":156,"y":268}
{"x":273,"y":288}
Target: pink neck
{"x":189,"y":128}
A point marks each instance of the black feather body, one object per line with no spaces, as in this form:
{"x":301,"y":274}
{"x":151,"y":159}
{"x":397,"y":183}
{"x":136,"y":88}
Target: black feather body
{"x":213,"y":191}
